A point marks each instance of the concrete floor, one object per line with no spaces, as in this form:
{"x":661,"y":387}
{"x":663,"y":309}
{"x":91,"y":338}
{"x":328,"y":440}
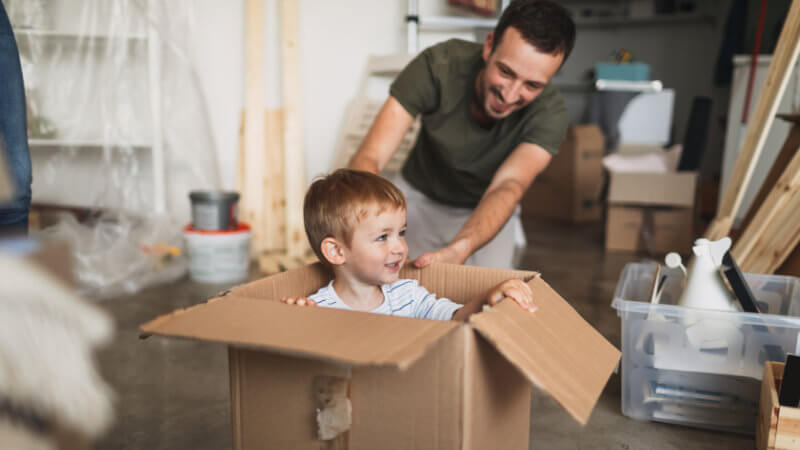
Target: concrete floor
{"x":173,"y":394}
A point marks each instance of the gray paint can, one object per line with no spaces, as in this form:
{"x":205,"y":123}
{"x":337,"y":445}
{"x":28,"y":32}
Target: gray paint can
{"x":214,"y":210}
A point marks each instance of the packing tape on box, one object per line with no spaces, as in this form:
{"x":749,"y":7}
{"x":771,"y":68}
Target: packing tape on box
{"x":334,"y":409}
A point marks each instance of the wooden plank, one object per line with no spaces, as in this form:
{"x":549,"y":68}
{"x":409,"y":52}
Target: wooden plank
{"x":268,"y":263}
{"x":789,"y":148}
{"x":294,"y":170}
{"x":778,"y":240}
{"x":274,"y":201}
{"x":253,"y":161}
{"x":773,"y":233}
{"x":240,"y":161}
{"x":780,"y":243}
{"x":787,"y":433}
{"x":273,"y":262}
{"x":768,"y":410}
{"x":780,"y":68}
{"x":791,"y":266}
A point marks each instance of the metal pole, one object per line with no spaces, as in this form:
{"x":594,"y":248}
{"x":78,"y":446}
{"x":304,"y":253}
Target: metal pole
{"x":412,"y":23}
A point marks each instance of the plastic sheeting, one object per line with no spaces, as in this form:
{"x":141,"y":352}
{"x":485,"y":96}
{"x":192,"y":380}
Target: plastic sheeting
{"x":117,"y":122}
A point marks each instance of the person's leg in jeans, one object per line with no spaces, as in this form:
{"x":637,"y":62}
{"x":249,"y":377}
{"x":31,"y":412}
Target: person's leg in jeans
{"x":13,"y":132}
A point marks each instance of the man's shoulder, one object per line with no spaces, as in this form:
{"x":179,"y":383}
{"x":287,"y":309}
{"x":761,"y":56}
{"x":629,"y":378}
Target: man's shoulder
{"x":455,"y":48}
{"x":454,"y":55}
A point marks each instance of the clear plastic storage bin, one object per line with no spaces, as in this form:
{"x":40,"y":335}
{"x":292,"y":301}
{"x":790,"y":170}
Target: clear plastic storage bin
{"x":699,"y":367}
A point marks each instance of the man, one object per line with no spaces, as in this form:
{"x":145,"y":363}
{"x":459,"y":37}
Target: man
{"x":13,"y":134}
{"x":490,"y":124}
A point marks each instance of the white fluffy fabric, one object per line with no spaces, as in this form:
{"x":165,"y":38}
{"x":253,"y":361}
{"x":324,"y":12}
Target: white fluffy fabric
{"x":17,"y":437}
{"x":47,"y":340}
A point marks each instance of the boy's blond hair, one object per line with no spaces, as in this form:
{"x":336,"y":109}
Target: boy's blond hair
{"x":335,"y":203}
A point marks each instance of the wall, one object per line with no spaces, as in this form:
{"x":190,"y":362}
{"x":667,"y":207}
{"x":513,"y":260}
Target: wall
{"x":335,"y":40}
{"x":337,"y":37}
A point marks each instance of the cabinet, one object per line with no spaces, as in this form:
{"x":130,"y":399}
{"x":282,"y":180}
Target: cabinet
{"x":92,"y":76}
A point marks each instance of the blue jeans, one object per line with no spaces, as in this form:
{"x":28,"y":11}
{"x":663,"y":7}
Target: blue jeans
{"x":13,"y":132}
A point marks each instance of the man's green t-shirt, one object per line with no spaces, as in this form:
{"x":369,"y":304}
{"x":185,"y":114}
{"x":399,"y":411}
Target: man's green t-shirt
{"x":454,"y":159}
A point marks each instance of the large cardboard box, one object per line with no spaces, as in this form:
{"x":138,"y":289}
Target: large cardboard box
{"x":411,"y":383}
{"x":571,"y":186}
{"x":653,"y":212}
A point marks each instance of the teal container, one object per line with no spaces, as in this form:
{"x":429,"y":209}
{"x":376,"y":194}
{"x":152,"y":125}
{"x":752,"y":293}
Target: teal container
{"x":634,"y":71}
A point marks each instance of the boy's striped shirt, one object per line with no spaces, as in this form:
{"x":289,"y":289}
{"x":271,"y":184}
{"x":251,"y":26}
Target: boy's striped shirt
{"x":404,"y":298}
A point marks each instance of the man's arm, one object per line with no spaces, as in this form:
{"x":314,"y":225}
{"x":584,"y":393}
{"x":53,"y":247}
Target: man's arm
{"x":496,"y":206}
{"x":383,"y":138}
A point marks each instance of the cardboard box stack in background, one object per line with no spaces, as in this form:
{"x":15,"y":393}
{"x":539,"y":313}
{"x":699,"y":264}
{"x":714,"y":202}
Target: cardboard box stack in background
{"x":570,"y":187}
{"x":650,"y":204}
{"x":651,"y":212}
{"x":411,"y":383}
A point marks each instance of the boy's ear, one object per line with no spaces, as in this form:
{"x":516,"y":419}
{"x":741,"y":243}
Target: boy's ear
{"x":332,"y":251}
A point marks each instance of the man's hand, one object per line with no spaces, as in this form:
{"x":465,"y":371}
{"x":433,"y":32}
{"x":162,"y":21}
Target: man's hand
{"x":299,"y":301}
{"x":516,"y":290}
{"x":455,"y":253}
{"x":496,"y":206}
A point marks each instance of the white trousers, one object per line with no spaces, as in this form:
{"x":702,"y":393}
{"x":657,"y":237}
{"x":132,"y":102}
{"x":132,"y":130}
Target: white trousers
{"x":432,"y":225}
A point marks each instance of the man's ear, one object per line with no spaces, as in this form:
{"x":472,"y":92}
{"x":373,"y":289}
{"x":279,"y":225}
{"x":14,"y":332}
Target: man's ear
{"x":487,"y":46}
{"x":333,"y":251}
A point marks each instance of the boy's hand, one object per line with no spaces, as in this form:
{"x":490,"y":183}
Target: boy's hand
{"x":299,"y":301}
{"x":516,"y":290}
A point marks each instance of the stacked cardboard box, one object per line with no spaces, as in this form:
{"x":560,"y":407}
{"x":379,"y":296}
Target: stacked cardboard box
{"x":651,"y":212}
{"x":412,"y":383}
{"x":570,"y":187}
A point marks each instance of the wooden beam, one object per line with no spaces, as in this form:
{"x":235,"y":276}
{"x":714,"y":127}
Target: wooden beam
{"x":775,"y":229}
{"x":780,"y":68}
{"x":253,"y":159}
{"x":294,"y":167}
{"x":274,"y":201}
{"x":785,"y":155}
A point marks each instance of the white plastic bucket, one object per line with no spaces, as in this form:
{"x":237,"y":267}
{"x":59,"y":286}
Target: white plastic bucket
{"x":218,"y":256}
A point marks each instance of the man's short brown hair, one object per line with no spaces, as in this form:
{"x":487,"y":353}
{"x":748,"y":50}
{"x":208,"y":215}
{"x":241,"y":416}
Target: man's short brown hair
{"x":335,"y":203}
{"x":546,"y":25}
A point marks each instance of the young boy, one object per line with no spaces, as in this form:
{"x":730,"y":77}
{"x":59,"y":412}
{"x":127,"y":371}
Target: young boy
{"x":356,"y":224}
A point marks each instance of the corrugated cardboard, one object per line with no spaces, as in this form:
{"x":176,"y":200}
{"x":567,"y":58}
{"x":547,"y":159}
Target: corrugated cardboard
{"x":652,"y":189}
{"x":653,"y":230}
{"x":413,"y":383}
{"x":652,"y":212}
{"x":570,"y":187}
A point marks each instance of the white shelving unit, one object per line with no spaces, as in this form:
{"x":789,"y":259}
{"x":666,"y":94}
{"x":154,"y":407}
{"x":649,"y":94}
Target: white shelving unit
{"x":416,"y":22}
{"x":55,"y":34}
{"x":153,"y":143}
{"x":87,"y":144}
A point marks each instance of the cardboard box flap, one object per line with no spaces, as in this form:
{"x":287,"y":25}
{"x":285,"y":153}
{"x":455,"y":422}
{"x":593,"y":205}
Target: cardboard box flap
{"x":461,"y":283}
{"x":454,"y":281}
{"x":555,"y":348}
{"x":657,"y":189}
{"x":298,"y":282}
{"x":362,"y":339}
